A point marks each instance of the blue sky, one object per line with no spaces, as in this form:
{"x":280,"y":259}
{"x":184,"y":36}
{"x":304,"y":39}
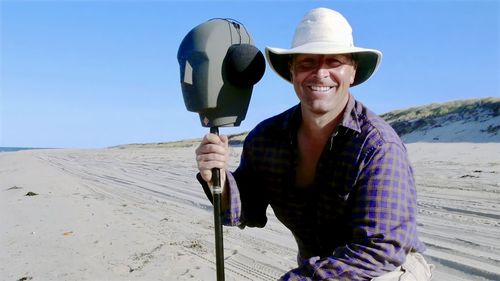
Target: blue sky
{"x":92,"y":74}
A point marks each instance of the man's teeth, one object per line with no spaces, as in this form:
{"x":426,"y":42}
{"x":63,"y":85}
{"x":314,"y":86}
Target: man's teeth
{"x":320,"y":88}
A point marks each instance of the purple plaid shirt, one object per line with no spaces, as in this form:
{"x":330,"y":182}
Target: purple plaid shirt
{"x":357,"y":221}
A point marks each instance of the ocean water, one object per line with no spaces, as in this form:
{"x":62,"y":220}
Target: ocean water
{"x":12,"y":149}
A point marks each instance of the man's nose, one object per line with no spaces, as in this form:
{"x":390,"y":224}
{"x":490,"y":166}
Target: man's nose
{"x":322,"y":70}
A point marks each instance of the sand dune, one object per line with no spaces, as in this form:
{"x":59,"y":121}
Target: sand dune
{"x":139,"y":214}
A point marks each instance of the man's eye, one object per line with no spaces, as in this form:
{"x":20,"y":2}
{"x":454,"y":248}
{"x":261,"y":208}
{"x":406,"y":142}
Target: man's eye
{"x":307,"y":64}
{"x":334,"y":63}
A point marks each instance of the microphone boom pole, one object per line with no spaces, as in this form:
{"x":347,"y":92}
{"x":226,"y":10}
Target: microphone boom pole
{"x":217,"y":195}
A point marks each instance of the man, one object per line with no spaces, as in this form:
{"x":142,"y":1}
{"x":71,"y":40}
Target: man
{"x":334,"y":173}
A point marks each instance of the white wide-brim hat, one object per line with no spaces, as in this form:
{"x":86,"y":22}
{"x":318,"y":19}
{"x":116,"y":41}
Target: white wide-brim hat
{"x":324,"y":31}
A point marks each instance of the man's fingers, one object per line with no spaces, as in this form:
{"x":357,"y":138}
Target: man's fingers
{"x":213,"y":152}
{"x":212,"y":143}
{"x":208,"y":161}
{"x":224,"y":139}
{"x":212,"y":138}
{"x":206,"y":175}
{"x":211,"y":148}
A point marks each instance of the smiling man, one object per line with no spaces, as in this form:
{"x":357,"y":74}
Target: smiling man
{"x":334,"y":172}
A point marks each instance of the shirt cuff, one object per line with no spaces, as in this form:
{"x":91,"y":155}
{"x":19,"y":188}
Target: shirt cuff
{"x":232,"y":216}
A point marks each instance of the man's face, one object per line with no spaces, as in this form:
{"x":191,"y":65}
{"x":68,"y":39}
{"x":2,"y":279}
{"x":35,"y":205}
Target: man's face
{"x":322,"y":82}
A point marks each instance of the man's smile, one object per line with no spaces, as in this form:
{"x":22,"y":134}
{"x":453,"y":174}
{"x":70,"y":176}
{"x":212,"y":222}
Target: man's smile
{"x":321,"y":88}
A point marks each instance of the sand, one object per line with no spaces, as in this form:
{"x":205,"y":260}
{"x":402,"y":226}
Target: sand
{"x":139,"y":214}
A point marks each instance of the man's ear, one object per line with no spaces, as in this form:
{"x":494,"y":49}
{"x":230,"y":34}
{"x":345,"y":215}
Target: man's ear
{"x":353,"y":75}
{"x":354,"y":66}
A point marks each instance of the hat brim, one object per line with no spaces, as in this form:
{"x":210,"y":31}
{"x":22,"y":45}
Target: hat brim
{"x":368,"y":60}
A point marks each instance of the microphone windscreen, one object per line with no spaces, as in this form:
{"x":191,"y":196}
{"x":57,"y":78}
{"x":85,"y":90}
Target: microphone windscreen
{"x":244,"y":65}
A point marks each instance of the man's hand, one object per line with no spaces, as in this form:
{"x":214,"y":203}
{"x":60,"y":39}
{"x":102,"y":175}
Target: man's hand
{"x":213,"y":152}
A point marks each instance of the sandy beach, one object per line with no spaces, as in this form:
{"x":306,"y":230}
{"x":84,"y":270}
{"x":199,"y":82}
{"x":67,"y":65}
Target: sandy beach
{"x":139,"y":214}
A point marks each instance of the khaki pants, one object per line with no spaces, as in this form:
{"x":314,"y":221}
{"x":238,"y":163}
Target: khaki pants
{"x":415,"y":268}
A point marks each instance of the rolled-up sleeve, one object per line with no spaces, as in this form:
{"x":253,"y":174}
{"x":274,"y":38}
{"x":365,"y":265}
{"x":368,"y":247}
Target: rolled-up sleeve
{"x":248,"y":202}
{"x":232,"y":215}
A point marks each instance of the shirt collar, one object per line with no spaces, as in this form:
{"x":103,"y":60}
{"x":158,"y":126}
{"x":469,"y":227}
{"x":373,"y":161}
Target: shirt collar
{"x":351,"y":118}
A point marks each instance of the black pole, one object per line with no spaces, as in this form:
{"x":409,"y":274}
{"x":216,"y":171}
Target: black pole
{"x":217,"y":194}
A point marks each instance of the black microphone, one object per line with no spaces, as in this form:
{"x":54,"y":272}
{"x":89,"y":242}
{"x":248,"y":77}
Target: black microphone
{"x":244,"y":65}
